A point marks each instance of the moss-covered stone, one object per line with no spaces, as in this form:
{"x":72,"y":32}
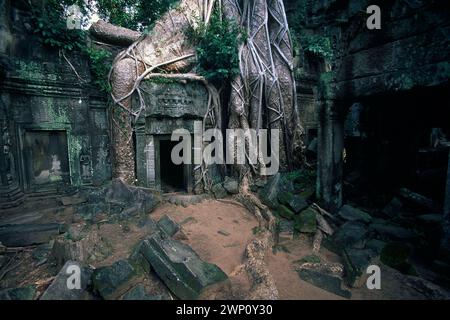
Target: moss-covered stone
{"x":309,"y":259}
{"x":110,"y":281}
{"x":306,"y":222}
{"x":285,"y":212}
{"x":23,"y":293}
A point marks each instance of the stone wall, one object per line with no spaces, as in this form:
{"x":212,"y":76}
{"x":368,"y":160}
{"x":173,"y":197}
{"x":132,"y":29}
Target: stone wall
{"x":41,"y":92}
{"x":410,"y":51}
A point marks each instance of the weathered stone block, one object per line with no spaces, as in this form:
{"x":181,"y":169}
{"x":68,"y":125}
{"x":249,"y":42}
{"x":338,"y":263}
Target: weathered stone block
{"x":285,"y":212}
{"x":350,"y":213}
{"x":59,"y":290}
{"x":324,"y":281}
{"x":269,"y":193}
{"x":356,"y":262}
{"x":351,"y":234}
{"x":168,"y":225}
{"x":231,"y":185}
{"x":23,"y":293}
{"x":29,"y":234}
{"x":295,"y":202}
{"x":219,"y":191}
{"x":72,"y":201}
{"x":181,"y":269}
{"x":389,"y":231}
{"x":110,"y":281}
{"x":306,"y":221}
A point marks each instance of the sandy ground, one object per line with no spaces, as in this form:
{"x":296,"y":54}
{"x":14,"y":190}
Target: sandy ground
{"x":219,"y":232}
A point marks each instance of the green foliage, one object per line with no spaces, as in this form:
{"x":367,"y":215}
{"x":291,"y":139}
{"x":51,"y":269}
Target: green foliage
{"x":217,"y":48}
{"x":98,"y":63}
{"x":133,"y":14}
{"x":318,"y":45}
{"x":49,"y":23}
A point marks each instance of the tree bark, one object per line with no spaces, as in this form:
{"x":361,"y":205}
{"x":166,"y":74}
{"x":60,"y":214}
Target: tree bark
{"x":111,"y":34}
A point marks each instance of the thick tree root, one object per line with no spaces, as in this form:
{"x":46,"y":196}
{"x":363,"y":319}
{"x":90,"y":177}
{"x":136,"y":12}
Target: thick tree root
{"x":263,"y":285}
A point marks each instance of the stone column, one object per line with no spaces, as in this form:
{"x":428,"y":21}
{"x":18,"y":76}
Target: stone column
{"x":330,"y":151}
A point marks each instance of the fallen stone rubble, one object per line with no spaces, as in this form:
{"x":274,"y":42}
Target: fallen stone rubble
{"x":181,"y":270}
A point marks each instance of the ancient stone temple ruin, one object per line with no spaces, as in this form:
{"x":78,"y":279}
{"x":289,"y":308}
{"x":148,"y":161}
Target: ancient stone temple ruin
{"x":368,"y":187}
{"x":53,"y":122}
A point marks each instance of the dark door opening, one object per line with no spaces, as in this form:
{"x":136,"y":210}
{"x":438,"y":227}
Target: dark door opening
{"x":394,"y":145}
{"x":172,"y":175}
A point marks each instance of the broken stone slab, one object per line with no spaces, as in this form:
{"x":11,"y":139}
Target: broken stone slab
{"x":180,"y":268}
{"x":274,"y":186}
{"x":351,"y":234}
{"x":138,"y":261}
{"x":139,"y":293}
{"x":389,"y":231}
{"x":231,"y":185}
{"x":59,"y":289}
{"x":431,"y":218}
{"x":122,"y":194}
{"x":91,"y":248}
{"x":148,"y":225}
{"x":350,"y":213}
{"x":429,"y":290}
{"x":119,"y":191}
{"x":72,"y":201}
{"x":306,"y":221}
{"x":356,"y":262}
{"x":22,"y":293}
{"x":324,"y":281}
{"x":112,"y":281}
{"x":310,"y":259}
{"x":219,"y":191}
{"x":393,"y":208}
{"x":29,"y":234}
{"x":418,"y":200}
{"x":169,"y":226}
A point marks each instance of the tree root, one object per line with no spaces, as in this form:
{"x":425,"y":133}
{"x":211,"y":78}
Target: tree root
{"x":263,"y":285}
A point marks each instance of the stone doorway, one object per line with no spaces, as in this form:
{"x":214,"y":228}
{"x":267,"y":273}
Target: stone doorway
{"x":172,"y":175}
{"x":46,"y":159}
{"x":169,"y":176}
